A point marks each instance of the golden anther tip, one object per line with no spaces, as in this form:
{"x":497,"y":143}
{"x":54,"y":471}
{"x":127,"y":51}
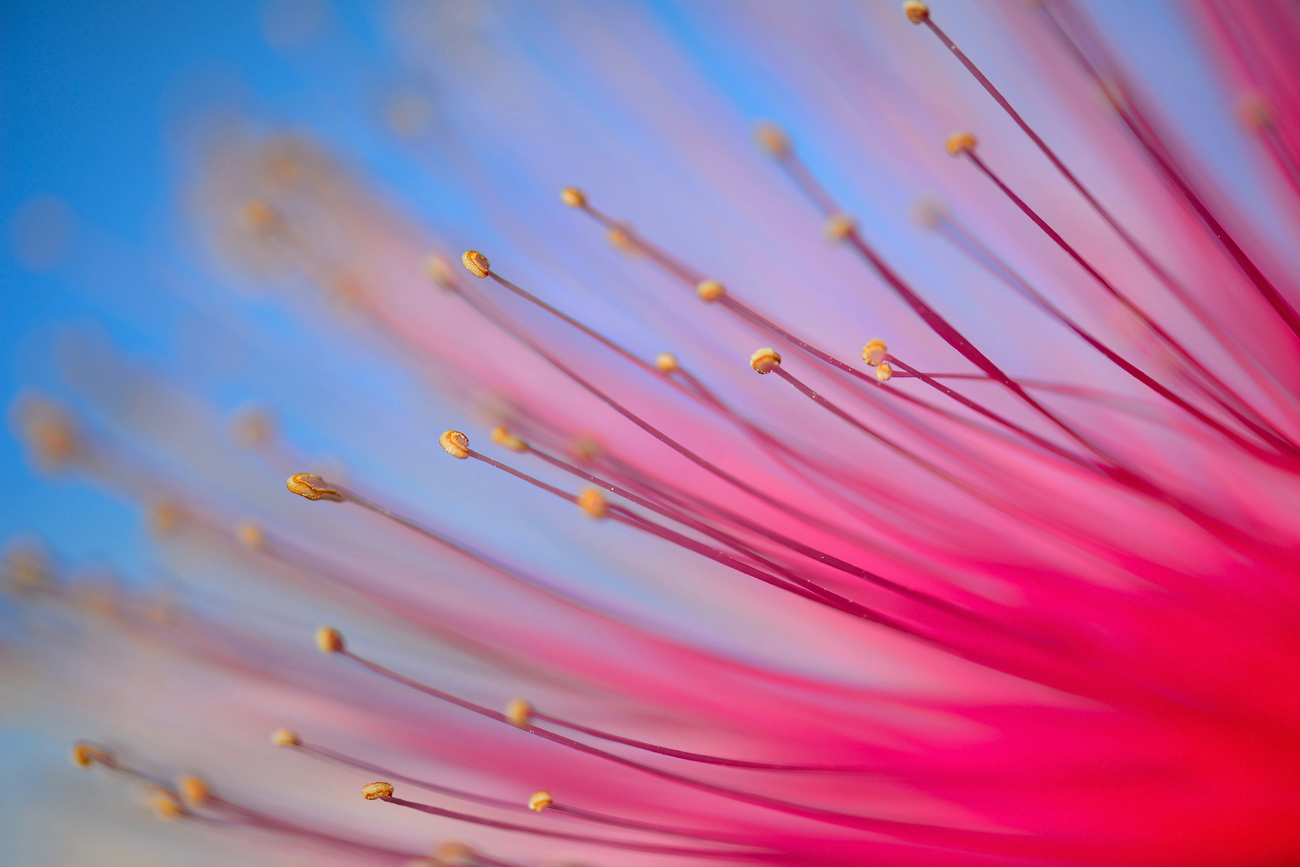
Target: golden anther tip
{"x":312,"y":487}
{"x":329,"y":640}
{"x":666,"y":362}
{"x":84,"y":755}
{"x":623,"y":240}
{"x":765,"y":360}
{"x":194,"y":790}
{"x":710,"y":290}
{"x":771,"y":139}
{"x":874,"y":352}
{"x":960,"y":143}
{"x":260,"y":216}
{"x":838,"y":227}
{"x":916,"y":11}
{"x":592,"y":501}
{"x":507,"y":440}
{"x":476,"y":263}
{"x":436,"y":269}
{"x":519,"y":713}
{"x":250,"y":536}
{"x":166,"y":804}
{"x":573,"y":197}
{"x":285,"y":738}
{"x":165,"y":517}
{"x":375,"y":791}
{"x":455,"y":444}
{"x":540,"y":801}
{"x":454,"y":852}
{"x":884,"y":371}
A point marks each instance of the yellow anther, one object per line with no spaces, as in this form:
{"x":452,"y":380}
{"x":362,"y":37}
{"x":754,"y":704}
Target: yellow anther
{"x":519,"y":713}
{"x":960,"y":143}
{"x":285,"y":738}
{"x":884,"y":371}
{"x":84,"y":755}
{"x":437,"y":270}
{"x":329,"y":640}
{"x":260,"y":216}
{"x":455,"y":853}
{"x":455,"y":444}
{"x":838,"y":227}
{"x":623,"y":240}
{"x":666,"y":362}
{"x":874,"y":352}
{"x":772,"y":140}
{"x":26,"y":568}
{"x":507,"y":440}
{"x":710,"y":290}
{"x":588,"y":448}
{"x":916,"y":11}
{"x":50,"y":433}
{"x":194,"y":790}
{"x":592,"y":501}
{"x":765,"y":360}
{"x":165,"y":517}
{"x":929,"y":212}
{"x":476,"y":263}
{"x":166,"y":804}
{"x":375,"y":791}
{"x":573,"y":197}
{"x":540,"y":801}
{"x":250,"y":536}
{"x":312,"y":487}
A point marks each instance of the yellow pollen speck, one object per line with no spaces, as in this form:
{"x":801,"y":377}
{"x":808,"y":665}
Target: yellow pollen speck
{"x":329,"y":640}
{"x":666,"y":362}
{"x":916,"y":11}
{"x":592,"y":501}
{"x":374,"y":791}
{"x":194,"y":790}
{"x":312,"y":487}
{"x":838,"y":227}
{"x":165,"y":517}
{"x":874,"y":352}
{"x":166,"y":804}
{"x":519,"y":713}
{"x":84,"y":755}
{"x":622,"y":240}
{"x":507,"y":440}
{"x":959,"y":143}
{"x":540,"y":801}
{"x":455,"y":444}
{"x":573,"y":197}
{"x":476,"y":263}
{"x":437,"y":270}
{"x":772,"y":140}
{"x":884,"y":371}
{"x":250,"y":536}
{"x":284,"y":738}
{"x":710,"y":290}
{"x":765,"y":360}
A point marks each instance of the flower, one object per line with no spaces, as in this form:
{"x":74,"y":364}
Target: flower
{"x":986,"y":556}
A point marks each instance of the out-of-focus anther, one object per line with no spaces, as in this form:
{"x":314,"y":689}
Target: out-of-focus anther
{"x":884,"y":371}
{"x":710,"y":290}
{"x":476,"y":263}
{"x":437,"y":270}
{"x":164,"y":517}
{"x":85,"y":755}
{"x":519,"y":713}
{"x":573,"y":197}
{"x":765,"y":360}
{"x":166,"y":804}
{"x":772,"y":140}
{"x":250,"y":536}
{"x":916,"y":11}
{"x":329,"y":640}
{"x":540,"y":800}
{"x":588,"y":449}
{"x":621,"y":239}
{"x":312,"y":487}
{"x":375,"y":791}
{"x":51,"y":434}
{"x":929,"y":212}
{"x":666,"y":362}
{"x":874,"y":352}
{"x":507,"y":440}
{"x":285,"y":738}
{"x":838,"y":227}
{"x":455,"y":853}
{"x":592,"y":501}
{"x":194,"y":790}
{"x":455,"y":444}
{"x":959,"y":143}
{"x":260,"y":217}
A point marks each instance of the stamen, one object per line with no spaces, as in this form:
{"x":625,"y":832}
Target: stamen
{"x":519,"y":713}
{"x":591,"y":502}
{"x":375,"y":791}
{"x":86,"y":755}
{"x":455,"y":444}
{"x":666,"y":362}
{"x":312,"y":487}
{"x":573,"y":197}
{"x":439,"y":271}
{"x":540,"y":800}
{"x":285,"y":738}
{"x":194,"y":790}
{"x":765,"y":360}
{"x":884,"y":371}
{"x":476,"y":263}
{"x":710,"y":290}
{"x":507,"y":440}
